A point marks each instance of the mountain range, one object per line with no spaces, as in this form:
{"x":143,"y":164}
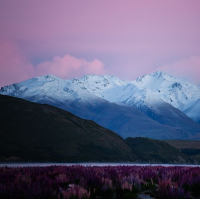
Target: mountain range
{"x":32,"y":132}
{"x":156,"y":105}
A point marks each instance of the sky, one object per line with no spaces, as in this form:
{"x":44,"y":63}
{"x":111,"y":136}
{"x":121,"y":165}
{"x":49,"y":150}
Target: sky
{"x":72,"y":38}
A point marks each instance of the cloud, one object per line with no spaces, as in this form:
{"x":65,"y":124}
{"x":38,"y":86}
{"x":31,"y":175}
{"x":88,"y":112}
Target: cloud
{"x":188,"y":68}
{"x":69,"y":66}
{"x":15,"y":67}
{"x":132,"y":38}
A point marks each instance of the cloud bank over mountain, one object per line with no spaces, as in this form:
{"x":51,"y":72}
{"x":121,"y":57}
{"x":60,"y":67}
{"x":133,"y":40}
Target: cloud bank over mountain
{"x":73,"y":38}
{"x":15,"y":67}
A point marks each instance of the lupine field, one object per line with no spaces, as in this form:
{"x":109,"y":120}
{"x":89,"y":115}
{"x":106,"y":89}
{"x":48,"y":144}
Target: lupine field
{"x":120,"y":182}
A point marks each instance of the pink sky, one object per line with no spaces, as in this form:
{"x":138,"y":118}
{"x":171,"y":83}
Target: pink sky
{"x":121,"y":38}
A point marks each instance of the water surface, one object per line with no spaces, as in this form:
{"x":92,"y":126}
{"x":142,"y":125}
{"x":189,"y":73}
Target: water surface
{"x":90,"y":164}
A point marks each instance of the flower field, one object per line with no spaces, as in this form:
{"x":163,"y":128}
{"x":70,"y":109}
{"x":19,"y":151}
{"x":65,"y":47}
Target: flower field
{"x":120,"y":182}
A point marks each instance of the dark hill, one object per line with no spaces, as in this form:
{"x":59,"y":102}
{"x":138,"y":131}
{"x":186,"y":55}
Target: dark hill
{"x":36,"y":132}
{"x":31,"y":132}
{"x":156,"y":151}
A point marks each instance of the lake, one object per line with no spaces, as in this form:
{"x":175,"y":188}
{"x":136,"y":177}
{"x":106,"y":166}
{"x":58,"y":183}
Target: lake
{"x":90,"y":164}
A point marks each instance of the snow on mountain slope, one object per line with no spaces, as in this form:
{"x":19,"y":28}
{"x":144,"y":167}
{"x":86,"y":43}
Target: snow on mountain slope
{"x":178,"y":92}
{"x":151,"y":105}
{"x":194,"y":111}
{"x":155,"y":88}
{"x":51,"y":88}
{"x":76,"y":96}
{"x":131,"y":95}
{"x":98,"y":84}
{"x":87,"y":84}
{"x":144,"y":91}
{"x":155,"y":95}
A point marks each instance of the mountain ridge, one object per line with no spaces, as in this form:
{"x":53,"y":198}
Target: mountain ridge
{"x":86,"y":95}
{"x":32,"y":132}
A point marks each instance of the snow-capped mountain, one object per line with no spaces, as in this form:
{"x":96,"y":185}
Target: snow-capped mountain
{"x":178,"y":92}
{"x":156,"y":88}
{"x":144,"y":107}
{"x":194,"y":111}
{"x":88,"y":87}
{"x":97,"y":85}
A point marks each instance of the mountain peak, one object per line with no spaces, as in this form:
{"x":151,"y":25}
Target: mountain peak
{"x":158,"y":76}
{"x":48,"y":77}
{"x":93,"y":76}
{"x":159,"y":73}
{"x":104,"y":80}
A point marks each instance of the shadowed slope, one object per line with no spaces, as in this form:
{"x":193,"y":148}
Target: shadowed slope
{"x":156,"y":151}
{"x":35,"y":132}
{"x":32,"y":132}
